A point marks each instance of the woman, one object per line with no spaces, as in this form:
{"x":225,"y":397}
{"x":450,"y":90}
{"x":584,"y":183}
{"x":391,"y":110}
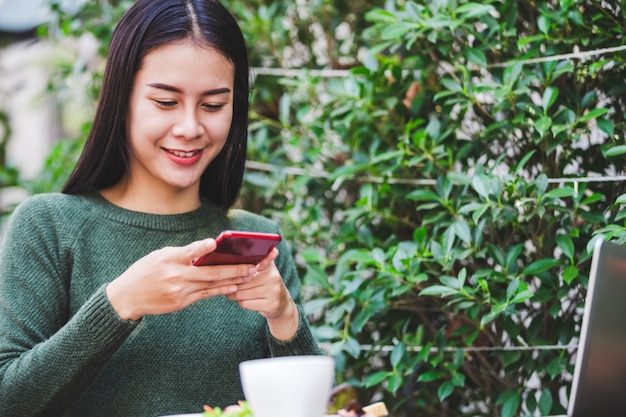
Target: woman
{"x":102,"y":312}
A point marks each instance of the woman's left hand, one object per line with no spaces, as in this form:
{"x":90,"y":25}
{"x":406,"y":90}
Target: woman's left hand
{"x":267,"y":294}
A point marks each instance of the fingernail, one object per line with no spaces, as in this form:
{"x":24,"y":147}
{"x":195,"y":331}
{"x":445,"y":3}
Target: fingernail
{"x":252,"y":271}
{"x":247,"y":278}
{"x":232,"y":288}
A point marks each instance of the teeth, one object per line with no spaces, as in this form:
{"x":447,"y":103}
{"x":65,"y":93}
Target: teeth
{"x":183,"y":154}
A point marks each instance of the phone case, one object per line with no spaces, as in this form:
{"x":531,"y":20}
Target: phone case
{"x":235,"y":247}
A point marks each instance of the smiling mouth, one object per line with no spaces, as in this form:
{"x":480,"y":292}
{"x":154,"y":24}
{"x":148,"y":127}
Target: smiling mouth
{"x":182,"y":154}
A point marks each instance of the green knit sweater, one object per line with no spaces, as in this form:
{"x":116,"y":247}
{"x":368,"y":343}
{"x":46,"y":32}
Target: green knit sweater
{"x":65,"y":352}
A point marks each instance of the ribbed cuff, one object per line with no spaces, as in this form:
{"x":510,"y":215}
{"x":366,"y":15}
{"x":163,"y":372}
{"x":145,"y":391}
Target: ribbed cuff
{"x":302,"y":343}
{"x":103,"y":323}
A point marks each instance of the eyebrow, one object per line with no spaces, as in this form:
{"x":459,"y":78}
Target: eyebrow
{"x":173,"y":89}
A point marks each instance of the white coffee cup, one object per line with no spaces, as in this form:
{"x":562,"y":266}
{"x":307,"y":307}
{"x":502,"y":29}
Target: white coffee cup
{"x":288,"y":386}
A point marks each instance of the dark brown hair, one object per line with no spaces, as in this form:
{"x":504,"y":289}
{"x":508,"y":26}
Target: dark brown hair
{"x":147,"y":25}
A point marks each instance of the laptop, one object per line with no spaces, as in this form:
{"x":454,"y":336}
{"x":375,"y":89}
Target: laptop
{"x":599,"y":383}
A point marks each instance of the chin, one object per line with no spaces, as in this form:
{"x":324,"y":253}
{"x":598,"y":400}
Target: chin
{"x":187,"y":185}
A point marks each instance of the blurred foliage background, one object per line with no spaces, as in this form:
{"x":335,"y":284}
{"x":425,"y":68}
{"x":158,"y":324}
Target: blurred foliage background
{"x":442,"y":182}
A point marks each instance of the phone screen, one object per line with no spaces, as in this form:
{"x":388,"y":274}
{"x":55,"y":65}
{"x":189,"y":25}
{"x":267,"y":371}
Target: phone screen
{"x":234,"y":247}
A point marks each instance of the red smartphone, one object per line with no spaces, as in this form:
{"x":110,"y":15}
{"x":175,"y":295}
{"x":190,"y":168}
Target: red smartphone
{"x":235,"y":247}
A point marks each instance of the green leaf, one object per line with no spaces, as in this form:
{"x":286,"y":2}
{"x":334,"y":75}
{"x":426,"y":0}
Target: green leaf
{"x":440,"y":22}
{"x":379,"y":256}
{"x":566,"y":245}
{"x":542,"y":125}
{"x":316,"y":305}
{"x":424,"y":352}
{"x":445,"y":390}
{"x":550,"y":95}
{"x":469,"y":10}
{"x":592,"y":114}
{"x":376,"y":378}
{"x":561,"y":192}
{"x":476,"y":56}
{"x":482,"y":209}
{"x":522,"y":296}
{"x":450,"y":282}
{"x":510,"y":403}
{"x":543,"y":23}
{"x":440,"y":290}
{"x":394,"y":383}
{"x":258,"y":179}
{"x":460,"y":178}
{"x":593,"y":198}
{"x":462,"y":231}
{"x":316,"y":276}
{"x":540,"y":266}
{"x":325,"y":332}
{"x":345,"y":171}
{"x":397,"y":30}
{"x":556,"y":367}
{"x":512,"y":73}
{"x":523,"y":161}
{"x":423,"y":195}
{"x":614,"y":151}
{"x":380,"y":16}
{"x":488,"y":318}
{"x":397,"y":354}
{"x":458,"y":379}
{"x":430,"y":376}
{"x":386,"y":156}
{"x":606,"y":126}
{"x":541,"y":183}
{"x":530,"y":39}
{"x":462,"y":277}
{"x":352,"y":347}
{"x":512,"y":288}
{"x":513,"y":253}
{"x":570,"y":273}
{"x":452,"y":85}
{"x":545,"y":402}
{"x":621,"y":199}
{"x":479,"y":184}
{"x":414,"y":10}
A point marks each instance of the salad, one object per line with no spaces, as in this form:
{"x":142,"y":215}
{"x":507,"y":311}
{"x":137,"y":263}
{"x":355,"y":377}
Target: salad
{"x":241,"y":409}
{"x":353,"y":409}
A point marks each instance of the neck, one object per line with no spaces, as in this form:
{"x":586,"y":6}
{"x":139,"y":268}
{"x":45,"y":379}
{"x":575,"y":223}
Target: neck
{"x":151,"y":201}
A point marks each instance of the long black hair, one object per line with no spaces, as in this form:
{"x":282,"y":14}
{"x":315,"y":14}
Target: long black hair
{"x":147,"y":25}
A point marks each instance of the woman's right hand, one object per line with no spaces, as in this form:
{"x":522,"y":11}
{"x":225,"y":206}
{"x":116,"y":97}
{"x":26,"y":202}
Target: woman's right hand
{"x":166,"y":280}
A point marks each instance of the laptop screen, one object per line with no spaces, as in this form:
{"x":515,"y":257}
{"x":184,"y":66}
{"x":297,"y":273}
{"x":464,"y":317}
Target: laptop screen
{"x":599,"y":384}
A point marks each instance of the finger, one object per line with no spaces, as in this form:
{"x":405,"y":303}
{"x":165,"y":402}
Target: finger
{"x":267,"y":261}
{"x":196,"y":249}
{"x":201,"y":285}
{"x":262,"y":305}
{"x":198,"y":290}
{"x":215,"y":291}
{"x":220,"y":273}
{"x":264,"y":285}
{"x":270,"y":303}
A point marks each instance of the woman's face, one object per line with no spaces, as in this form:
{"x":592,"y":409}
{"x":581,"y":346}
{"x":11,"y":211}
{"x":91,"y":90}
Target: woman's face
{"x":180,"y":113}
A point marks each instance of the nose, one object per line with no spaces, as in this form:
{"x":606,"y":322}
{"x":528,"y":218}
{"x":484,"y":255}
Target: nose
{"x":187,"y":126}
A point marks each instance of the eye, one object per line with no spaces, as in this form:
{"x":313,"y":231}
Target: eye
{"x":212,"y":107}
{"x":165,"y":103}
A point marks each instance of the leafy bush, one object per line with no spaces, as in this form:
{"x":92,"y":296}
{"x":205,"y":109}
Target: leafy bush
{"x":446,"y":220}
{"x":442,"y":196}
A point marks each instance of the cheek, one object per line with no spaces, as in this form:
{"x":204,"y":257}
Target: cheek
{"x":145,"y":123}
{"x":220,"y":127}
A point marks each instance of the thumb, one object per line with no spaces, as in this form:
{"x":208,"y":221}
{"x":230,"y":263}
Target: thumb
{"x":196,"y":249}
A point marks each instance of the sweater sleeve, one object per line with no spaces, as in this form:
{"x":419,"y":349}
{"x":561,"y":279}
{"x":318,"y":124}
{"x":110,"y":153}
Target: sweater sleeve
{"x":46,"y":356}
{"x":303,"y":342}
